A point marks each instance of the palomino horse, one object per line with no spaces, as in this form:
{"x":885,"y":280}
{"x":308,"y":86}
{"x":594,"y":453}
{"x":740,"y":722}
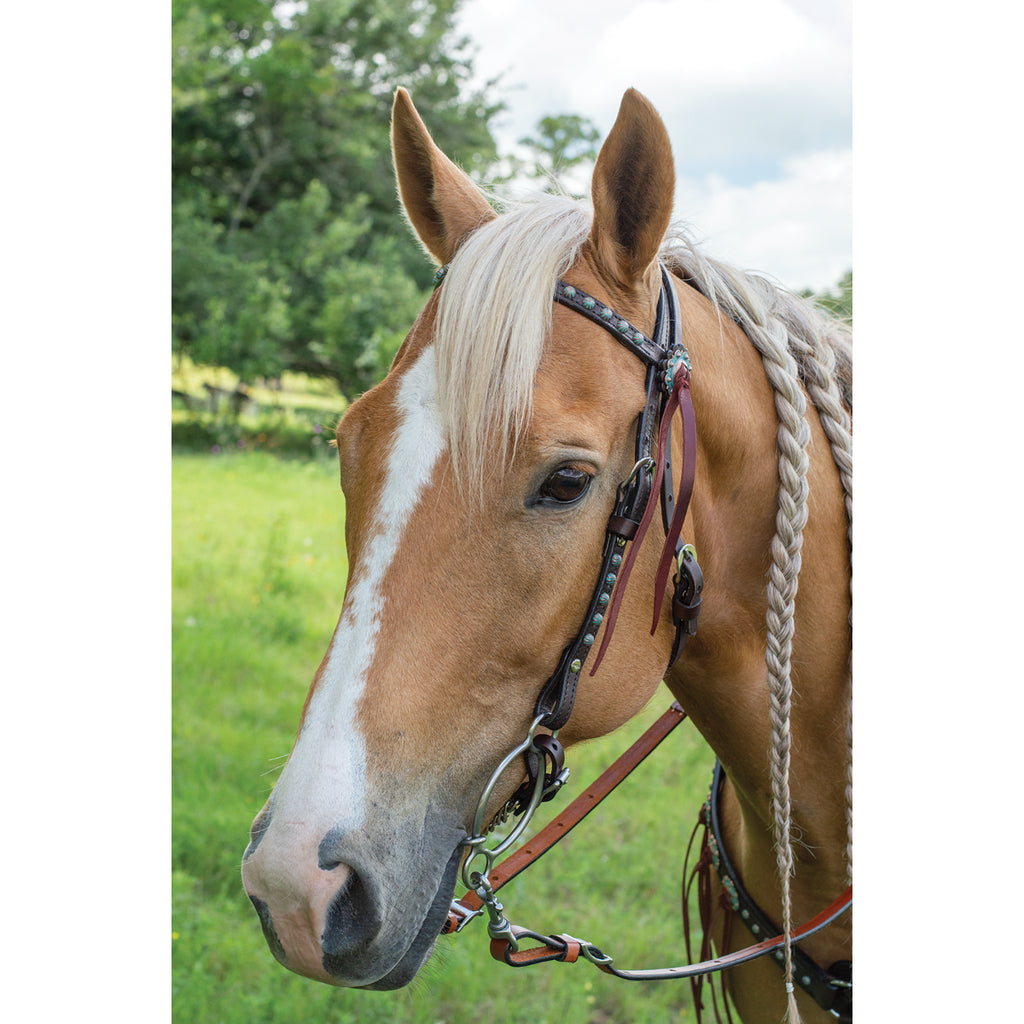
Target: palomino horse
{"x":479,"y":479}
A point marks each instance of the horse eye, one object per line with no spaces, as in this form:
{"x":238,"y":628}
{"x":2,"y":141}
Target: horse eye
{"x":565,"y":484}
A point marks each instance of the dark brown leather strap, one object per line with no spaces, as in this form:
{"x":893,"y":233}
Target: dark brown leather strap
{"x":604,"y":316}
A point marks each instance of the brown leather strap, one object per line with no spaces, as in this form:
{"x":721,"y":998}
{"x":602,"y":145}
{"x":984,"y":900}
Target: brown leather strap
{"x":565,"y":948}
{"x":573,"y":814}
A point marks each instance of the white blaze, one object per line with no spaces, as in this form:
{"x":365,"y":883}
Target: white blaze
{"x":325,"y":776}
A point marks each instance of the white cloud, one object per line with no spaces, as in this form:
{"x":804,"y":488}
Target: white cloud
{"x":756,"y":96}
{"x":797,"y":228}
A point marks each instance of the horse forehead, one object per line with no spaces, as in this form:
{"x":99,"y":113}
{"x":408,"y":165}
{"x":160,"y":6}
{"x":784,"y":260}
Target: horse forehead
{"x":584,"y":376}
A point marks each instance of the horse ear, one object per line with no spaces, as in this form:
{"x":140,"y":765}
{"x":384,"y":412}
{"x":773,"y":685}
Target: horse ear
{"x":632,"y":191}
{"x":441,"y":202}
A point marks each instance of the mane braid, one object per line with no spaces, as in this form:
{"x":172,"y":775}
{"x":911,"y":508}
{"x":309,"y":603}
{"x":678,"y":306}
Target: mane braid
{"x":799,"y":345}
{"x":493,"y":321}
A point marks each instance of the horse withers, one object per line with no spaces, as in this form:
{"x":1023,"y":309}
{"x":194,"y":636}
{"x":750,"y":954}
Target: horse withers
{"x":479,"y":477}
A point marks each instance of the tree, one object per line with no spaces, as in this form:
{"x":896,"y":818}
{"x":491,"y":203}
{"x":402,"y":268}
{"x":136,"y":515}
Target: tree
{"x":560,"y":144}
{"x":837,"y":300}
{"x":289,"y":250}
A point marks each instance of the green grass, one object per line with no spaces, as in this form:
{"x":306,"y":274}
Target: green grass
{"x":258,"y":578}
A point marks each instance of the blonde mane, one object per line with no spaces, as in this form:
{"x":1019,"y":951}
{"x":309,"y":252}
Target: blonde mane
{"x":493,"y":321}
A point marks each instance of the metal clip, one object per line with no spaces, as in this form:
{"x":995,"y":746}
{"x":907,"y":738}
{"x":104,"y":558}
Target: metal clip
{"x":499,"y":926}
{"x":686,"y":553}
{"x":552,"y":788}
{"x":594,"y":955}
{"x":462,"y":915}
{"x":645,"y":463}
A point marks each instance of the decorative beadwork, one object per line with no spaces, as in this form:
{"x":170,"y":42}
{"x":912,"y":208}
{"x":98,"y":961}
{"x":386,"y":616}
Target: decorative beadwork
{"x":589,"y":302}
{"x":439,"y":275}
{"x":677,"y":358}
{"x":597,"y":620}
{"x":730,"y":890}
{"x":569,"y":292}
{"x":588,"y":639}
{"x":713,"y":849}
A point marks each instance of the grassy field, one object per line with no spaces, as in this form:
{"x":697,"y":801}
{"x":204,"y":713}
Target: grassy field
{"x":258,"y":577}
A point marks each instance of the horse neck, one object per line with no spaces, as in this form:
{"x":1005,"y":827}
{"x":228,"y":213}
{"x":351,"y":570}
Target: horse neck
{"x":741,"y":539}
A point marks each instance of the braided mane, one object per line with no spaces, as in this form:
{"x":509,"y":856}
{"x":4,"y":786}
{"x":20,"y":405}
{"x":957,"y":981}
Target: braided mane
{"x":799,"y":345}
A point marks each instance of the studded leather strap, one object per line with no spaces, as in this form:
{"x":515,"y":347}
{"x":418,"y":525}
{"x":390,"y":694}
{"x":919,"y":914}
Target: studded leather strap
{"x":667,"y":368}
{"x":831,"y":989}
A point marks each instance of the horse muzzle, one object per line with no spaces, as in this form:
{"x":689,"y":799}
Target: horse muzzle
{"x":347,"y":912}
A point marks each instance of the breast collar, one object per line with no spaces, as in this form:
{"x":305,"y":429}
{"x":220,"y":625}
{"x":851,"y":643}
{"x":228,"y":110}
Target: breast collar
{"x":831,"y":989}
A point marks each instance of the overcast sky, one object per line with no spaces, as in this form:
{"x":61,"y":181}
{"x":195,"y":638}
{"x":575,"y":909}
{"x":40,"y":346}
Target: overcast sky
{"x":756,"y":95}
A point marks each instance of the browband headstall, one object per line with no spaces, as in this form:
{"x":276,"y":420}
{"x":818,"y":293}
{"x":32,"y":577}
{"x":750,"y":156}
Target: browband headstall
{"x":668,"y":375}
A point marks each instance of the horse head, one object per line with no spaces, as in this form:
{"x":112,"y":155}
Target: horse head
{"x":478,"y":479}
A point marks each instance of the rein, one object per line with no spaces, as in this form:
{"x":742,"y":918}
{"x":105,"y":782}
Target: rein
{"x":506,"y":938}
{"x":667,"y":388}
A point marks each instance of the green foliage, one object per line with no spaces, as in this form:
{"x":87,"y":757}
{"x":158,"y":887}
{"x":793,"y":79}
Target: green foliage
{"x":562,"y":143}
{"x":258,"y":576}
{"x":837,"y":300}
{"x":289,"y":249}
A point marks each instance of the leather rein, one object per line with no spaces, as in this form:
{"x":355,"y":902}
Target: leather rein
{"x":667,"y":387}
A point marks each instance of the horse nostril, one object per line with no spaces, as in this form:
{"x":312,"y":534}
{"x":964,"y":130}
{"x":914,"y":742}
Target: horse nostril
{"x":267,"y":924}
{"x":352,"y":921}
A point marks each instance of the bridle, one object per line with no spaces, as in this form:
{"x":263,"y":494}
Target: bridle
{"x":667,"y":391}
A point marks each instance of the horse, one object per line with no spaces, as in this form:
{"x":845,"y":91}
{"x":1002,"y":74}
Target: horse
{"x":480,"y":479}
